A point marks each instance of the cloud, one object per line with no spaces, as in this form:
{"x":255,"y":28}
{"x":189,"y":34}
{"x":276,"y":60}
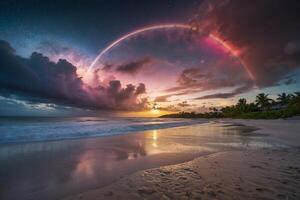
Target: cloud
{"x":183,"y":104}
{"x":191,"y":75}
{"x":239,"y":90}
{"x":133,"y":68}
{"x":163,"y":98}
{"x":37,"y":79}
{"x":141,"y":89}
{"x":290,"y":81}
{"x":107,"y":67}
{"x":265,"y":33}
{"x":194,"y":80}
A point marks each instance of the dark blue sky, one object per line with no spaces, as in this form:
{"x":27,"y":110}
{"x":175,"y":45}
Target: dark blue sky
{"x":88,"y":24}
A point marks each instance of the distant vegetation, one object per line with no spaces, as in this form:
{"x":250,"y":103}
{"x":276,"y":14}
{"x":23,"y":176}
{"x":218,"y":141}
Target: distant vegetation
{"x":285,"y":105}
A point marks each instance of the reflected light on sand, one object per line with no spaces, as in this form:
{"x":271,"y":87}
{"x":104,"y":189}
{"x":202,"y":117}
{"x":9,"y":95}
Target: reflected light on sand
{"x":154,"y":138}
{"x":154,"y":144}
{"x":154,"y":135}
{"x":85,"y":166}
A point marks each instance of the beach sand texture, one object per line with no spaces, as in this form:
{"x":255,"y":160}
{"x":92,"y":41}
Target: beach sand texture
{"x":263,"y":173}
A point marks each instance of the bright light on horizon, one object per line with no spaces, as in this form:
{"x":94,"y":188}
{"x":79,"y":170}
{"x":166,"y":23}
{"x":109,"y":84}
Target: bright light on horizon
{"x":155,"y":111}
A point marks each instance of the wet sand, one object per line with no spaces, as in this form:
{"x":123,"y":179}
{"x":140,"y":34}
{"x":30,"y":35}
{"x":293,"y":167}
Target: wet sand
{"x":130,"y":166}
{"x":256,"y":172}
{"x":264,"y":174}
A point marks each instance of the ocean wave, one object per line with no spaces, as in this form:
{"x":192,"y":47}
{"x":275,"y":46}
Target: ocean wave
{"x":16,"y":130}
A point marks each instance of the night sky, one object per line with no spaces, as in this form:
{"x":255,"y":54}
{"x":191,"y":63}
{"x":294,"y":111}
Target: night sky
{"x":232,"y":49}
{"x":88,"y":25}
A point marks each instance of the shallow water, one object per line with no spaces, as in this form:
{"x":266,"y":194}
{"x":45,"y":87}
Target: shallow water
{"x":56,"y":169}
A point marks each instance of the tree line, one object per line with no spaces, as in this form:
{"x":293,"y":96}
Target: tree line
{"x":285,"y":105}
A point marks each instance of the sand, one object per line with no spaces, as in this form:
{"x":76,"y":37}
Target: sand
{"x":285,"y":131}
{"x":264,"y":172}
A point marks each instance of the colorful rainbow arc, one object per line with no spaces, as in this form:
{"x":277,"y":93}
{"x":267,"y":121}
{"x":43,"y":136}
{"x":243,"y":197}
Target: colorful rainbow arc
{"x":165,"y":26}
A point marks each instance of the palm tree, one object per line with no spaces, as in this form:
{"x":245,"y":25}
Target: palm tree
{"x":252,"y":107}
{"x":295,"y":98}
{"x":213,"y":109}
{"x":241,"y":105}
{"x":263,"y":101}
{"x":227,"y":109}
{"x":283,"y":99}
{"x":242,"y":102}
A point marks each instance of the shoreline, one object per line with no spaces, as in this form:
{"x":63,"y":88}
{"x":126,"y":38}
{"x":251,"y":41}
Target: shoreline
{"x":77,"y":168}
{"x":264,"y":173}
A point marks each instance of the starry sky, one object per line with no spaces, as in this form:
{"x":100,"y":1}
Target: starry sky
{"x":209,"y":54}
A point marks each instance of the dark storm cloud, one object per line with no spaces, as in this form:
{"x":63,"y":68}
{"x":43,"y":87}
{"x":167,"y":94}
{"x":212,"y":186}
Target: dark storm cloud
{"x":133,"y":67}
{"x":38,"y":79}
{"x":266,"y":33}
{"x":126,"y":97}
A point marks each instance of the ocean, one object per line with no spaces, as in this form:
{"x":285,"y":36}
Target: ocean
{"x":30,"y":129}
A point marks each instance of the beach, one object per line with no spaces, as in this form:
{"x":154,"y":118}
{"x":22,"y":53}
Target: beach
{"x":208,"y":159}
{"x":250,"y":173}
{"x":265,"y":174}
{"x":149,"y":100}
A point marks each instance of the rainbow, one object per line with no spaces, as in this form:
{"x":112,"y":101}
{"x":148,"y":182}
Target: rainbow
{"x":165,"y":26}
